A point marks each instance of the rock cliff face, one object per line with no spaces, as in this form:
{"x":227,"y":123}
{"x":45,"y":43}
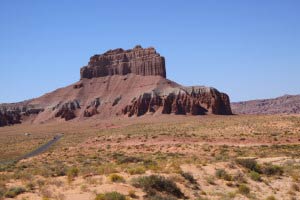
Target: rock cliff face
{"x":9,"y":118}
{"x":182,"y":101}
{"x":118,"y":83}
{"x":11,"y":114}
{"x":138,"y":61}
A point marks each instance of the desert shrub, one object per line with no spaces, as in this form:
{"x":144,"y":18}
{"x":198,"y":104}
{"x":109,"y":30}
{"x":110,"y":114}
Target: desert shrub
{"x":272,"y":170}
{"x":153,"y":166}
{"x":131,"y":193}
{"x":2,"y":190}
{"x":46,"y":192}
{"x":72,"y":173}
{"x":136,"y":170}
{"x":107,"y":168}
{"x":58,"y":169}
{"x":188,"y":176}
{"x":210,"y":180}
{"x":270,"y":198}
{"x":154,"y":183}
{"x":121,"y":158}
{"x":60,"y":196}
{"x":239,"y":177}
{"x":116,"y":178}
{"x":160,"y":197}
{"x":222,"y":174}
{"x":255,"y":176}
{"x":110,"y":196}
{"x":14,"y":191}
{"x":244,"y":189}
{"x":250,"y":164}
{"x":295,"y":187}
{"x":30,"y":186}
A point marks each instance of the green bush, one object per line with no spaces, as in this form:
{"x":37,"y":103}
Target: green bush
{"x":222,"y":174}
{"x":255,"y":176}
{"x":250,"y":164}
{"x":154,"y":183}
{"x":116,"y":178}
{"x":110,"y":196}
{"x":14,"y":191}
{"x":272,"y":170}
{"x":244,"y":189}
{"x":188,"y":176}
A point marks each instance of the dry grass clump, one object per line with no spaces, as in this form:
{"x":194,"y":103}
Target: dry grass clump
{"x":2,"y":190}
{"x":295,"y":187}
{"x":131,"y":193}
{"x":271,"y":198}
{"x":136,"y":170}
{"x":110,"y":196}
{"x":116,"y":178}
{"x":244,"y":189}
{"x":160,"y":197}
{"x":72,"y":173}
{"x":107,"y":168}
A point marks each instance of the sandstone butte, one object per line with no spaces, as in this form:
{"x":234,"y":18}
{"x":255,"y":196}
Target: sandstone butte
{"x":119,"y":83}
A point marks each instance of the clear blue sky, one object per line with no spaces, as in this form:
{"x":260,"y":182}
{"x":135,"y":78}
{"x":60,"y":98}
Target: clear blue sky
{"x":247,"y":48}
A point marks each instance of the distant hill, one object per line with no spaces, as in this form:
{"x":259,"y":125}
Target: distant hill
{"x":287,"y":104}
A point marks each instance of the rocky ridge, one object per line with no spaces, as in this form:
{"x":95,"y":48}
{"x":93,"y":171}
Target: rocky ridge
{"x":287,"y":104}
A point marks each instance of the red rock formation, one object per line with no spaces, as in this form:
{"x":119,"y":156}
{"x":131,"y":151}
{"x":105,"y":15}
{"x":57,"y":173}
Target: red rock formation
{"x":11,"y":114}
{"x":121,"y":62}
{"x":9,"y":118}
{"x":67,"y":110}
{"x":194,"y":101}
{"x":92,"y":108}
{"x":77,"y":86}
{"x":102,"y":79}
